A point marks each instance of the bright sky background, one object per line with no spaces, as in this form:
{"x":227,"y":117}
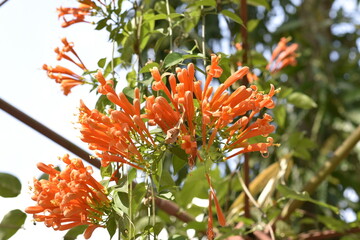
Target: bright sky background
{"x":30,"y":31}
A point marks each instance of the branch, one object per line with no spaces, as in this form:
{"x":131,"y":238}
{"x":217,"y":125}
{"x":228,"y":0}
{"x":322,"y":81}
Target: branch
{"x":3,"y":2}
{"x":173,"y":209}
{"x":340,"y":154}
{"x":48,"y":133}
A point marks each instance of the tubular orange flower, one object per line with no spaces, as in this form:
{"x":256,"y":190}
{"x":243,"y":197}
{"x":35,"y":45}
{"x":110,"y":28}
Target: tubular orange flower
{"x":69,"y":198}
{"x":282,"y":56}
{"x":67,"y":78}
{"x":112,"y":135}
{"x":78,"y":14}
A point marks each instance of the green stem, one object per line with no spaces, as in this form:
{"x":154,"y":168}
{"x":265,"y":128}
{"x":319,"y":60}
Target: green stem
{"x":130,"y":207}
{"x":152,"y":202}
{"x":170,"y":25}
{"x":203,"y":35}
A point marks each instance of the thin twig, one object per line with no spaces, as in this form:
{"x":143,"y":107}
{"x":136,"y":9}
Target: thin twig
{"x":247,"y":192}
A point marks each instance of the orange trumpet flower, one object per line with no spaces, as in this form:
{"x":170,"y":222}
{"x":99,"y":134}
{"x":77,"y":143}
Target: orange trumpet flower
{"x":69,"y":198}
{"x":282,"y":56}
{"x":78,"y":14}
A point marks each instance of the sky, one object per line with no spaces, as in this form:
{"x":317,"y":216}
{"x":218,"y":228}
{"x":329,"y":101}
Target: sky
{"x":30,"y":30}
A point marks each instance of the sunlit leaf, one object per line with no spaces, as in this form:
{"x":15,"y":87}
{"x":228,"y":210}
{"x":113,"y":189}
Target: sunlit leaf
{"x":280,"y":115}
{"x":263,"y":3}
{"x":252,"y":24}
{"x":205,"y":3}
{"x":10,"y":185}
{"x":149,"y":66}
{"x":102,"y":62}
{"x":11,"y":223}
{"x":303,"y":196}
{"x":73,"y":233}
{"x":301,"y":100}
{"x":172,"y":59}
{"x":106,"y":171}
{"x":332,"y":223}
{"x":232,"y":16}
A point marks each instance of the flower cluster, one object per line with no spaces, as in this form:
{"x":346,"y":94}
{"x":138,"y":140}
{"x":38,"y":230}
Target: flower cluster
{"x":69,"y":198}
{"x":283,"y":55}
{"x":78,"y":13}
{"x":188,"y":115}
{"x":67,"y":78}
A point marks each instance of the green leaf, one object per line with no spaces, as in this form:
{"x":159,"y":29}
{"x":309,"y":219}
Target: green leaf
{"x":166,"y":181}
{"x":10,"y":185}
{"x":132,"y":174}
{"x":161,"y":16}
{"x":152,"y":17}
{"x":195,"y":186}
{"x":334,"y":224}
{"x":178,"y":163}
{"x":121,"y":203}
{"x":74,"y":232}
{"x":111,"y":225}
{"x":101,"y":62}
{"x":129,"y":93}
{"x":149,"y":66}
{"x":106,"y":171}
{"x":172,"y":59}
{"x":303,"y":196}
{"x":263,"y":3}
{"x":179,"y":152}
{"x":11,"y":223}
{"x":211,"y":3}
{"x":280,"y":115}
{"x":199,"y":226}
{"x":102,"y":102}
{"x":301,"y":145}
{"x":290,"y":26}
{"x":191,"y":19}
{"x":258,"y":59}
{"x":301,"y":100}
{"x":131,"y":77}
{"x":101,"y":24}
{"x":285,"y":91}
{"x":232,"y":16}
{"x":225,"y":65}
{"x":252,"y":24}
{"x":187,"y":56}
{"x":137,"y":196}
